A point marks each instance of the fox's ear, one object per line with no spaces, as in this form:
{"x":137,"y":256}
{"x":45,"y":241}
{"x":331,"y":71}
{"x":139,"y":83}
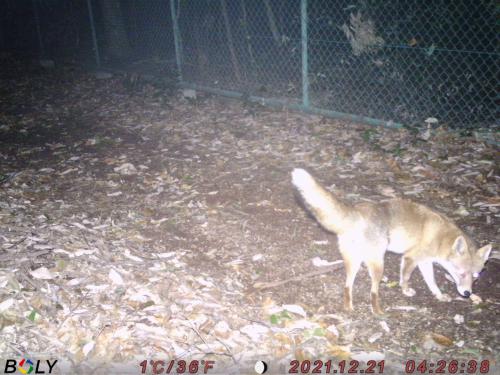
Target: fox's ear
{"x":484,"y":252}
{"x":460,"y":245}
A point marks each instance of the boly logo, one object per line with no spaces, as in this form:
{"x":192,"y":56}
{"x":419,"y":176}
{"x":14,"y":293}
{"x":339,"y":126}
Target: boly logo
{"x":27,"y":366}
{"x":21,"y":366}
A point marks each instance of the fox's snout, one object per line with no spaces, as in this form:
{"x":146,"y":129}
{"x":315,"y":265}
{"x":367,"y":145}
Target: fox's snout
{"x":464,"y":286}
{"x":466,"y":293}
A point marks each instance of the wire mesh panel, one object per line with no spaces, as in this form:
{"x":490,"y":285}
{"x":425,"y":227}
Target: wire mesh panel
{"x":248,"y":46}
{"x":64,"y":29}
{"x":131,"y":31}
{"x":52,"y":29}
{"x":405,"y":60}
{"x":394,"y":60}
{"x":20,"y":37}
{"x":401,"y":61}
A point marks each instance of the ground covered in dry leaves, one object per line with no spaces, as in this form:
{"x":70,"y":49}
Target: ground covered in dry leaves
{"x":136,"y":223}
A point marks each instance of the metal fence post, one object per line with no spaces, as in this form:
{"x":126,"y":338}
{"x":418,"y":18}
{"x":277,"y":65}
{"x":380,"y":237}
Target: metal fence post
{"x":305,"y":61}
{"x":177,"y":39}
{"x":94,"y":38}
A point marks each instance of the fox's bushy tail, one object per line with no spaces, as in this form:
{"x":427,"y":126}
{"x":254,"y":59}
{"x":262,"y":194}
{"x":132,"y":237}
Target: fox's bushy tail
{"x":330,"y":212}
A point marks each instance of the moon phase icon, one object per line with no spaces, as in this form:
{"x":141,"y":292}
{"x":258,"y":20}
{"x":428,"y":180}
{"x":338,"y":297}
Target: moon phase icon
{"x":260,"y":367}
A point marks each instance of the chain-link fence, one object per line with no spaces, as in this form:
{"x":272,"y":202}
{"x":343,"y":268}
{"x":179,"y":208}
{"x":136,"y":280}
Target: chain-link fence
{"x":382,"y":62}
{"x":131,"y":31}
{"x":406,"y":60}
{"x":251,"y":47}
{"x":56,"y":29}
{"x":400,"y":61}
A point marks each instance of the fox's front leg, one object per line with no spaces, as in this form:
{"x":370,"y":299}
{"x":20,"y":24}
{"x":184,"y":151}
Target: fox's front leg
{"x":427,"y":271}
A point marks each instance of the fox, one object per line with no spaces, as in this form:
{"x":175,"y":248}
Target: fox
{"x":365,"y":232}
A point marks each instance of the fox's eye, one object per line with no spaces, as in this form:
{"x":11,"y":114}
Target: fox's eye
{"x":477,"y":274}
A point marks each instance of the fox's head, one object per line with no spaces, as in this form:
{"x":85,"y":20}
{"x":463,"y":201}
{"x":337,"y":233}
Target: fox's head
{"x":465,"y":262}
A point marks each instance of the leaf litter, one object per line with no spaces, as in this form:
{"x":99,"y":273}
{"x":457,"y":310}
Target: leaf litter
{"x":144,"y":225}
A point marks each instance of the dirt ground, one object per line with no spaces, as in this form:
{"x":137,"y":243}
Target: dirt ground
{"x":136,"y":223}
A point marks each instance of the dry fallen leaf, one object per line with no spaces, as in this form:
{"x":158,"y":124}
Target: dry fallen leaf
{"x":42,"y":273}
{"x":441,"y":339}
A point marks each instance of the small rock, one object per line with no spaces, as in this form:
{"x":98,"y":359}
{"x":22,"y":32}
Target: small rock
{"x":127,"y":169}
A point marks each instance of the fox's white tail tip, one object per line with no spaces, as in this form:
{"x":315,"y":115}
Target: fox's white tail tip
{"x":300,"y":178}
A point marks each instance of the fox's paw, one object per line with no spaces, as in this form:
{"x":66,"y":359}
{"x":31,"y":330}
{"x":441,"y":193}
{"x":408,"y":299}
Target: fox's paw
{"x":377,"y":311}
{"x":443,"y":297}
{"x":348,"y":308}
{"x":409,"y":292}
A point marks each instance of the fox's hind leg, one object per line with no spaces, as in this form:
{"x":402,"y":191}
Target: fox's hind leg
{"x":408,"y":264}
{"x":351,"y":269}
{"x":376,"y":270}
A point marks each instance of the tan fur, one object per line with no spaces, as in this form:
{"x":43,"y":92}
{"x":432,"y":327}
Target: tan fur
{"x":367,"y":230}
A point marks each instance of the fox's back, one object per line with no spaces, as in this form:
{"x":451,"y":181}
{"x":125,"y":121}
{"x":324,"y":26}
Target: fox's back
{"x":403,"y":224}
{"x":412,"y":224}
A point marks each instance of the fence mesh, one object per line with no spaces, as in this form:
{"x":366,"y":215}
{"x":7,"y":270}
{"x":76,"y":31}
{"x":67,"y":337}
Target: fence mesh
{"x":146,"y":24}
{"x":63,"y":29}
{"x":242,"y":46}
{"x":401,"y":61}
{"x":394,"y":60}
{"x":406,"y":60}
